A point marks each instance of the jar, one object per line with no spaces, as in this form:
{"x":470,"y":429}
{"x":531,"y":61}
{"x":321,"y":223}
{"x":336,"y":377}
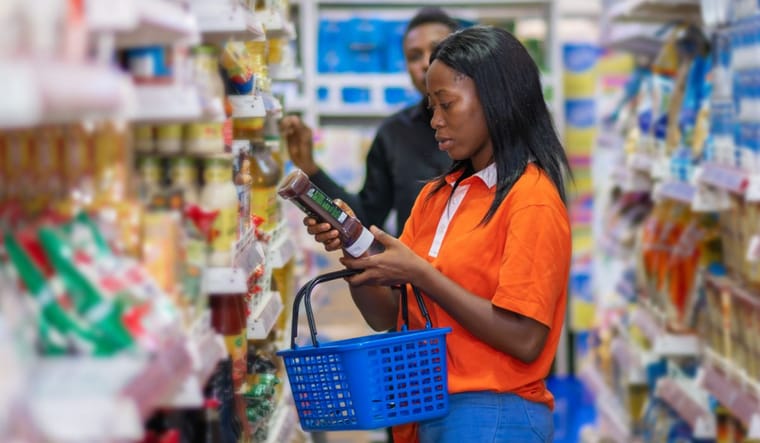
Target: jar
{"x":169,"y":138}
{"x":143,"y":138}
{"x":204,"y":138}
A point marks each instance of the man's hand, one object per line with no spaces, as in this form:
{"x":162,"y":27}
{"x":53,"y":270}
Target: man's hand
{"x":299,"y":138}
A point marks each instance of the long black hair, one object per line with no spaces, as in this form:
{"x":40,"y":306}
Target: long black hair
{"x":509,"y":88}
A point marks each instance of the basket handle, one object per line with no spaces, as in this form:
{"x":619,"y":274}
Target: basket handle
{"x":306,"y":290}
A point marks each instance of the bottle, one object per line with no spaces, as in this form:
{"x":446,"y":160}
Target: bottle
{"x":226,"y":289}
{"x":184,"y":176}
{"x":357,"y":240}
{"x":149,"y":171}
{"x":265,"y":172}
{"x":220,"y":194}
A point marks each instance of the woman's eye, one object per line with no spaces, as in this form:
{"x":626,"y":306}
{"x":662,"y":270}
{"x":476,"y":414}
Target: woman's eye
{"x":445,"y":106}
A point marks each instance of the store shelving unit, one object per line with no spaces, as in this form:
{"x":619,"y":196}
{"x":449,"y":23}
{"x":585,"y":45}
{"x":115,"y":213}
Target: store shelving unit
{"x":690,"y":402}
{"x":734,"y":390}
{"x":547,"y":9}
{"x":222,"y":20}
{"x":656,"y":11}
{"x":614,"y":424}
{"x":663,"y":342}
{"x":158,"y":22}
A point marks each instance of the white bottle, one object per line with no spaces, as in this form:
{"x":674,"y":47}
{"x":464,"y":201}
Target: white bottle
{"x":219,"y":194}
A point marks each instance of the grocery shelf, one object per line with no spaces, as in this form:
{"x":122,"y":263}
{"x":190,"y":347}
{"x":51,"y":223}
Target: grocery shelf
{"x":690,"y":402}
{"x":664,"y":343}
{"x":172,"y":102}
{"x":731,"y":387}
{"x":677,"y":191}
{"x":376,"y":84}
{"x":614,"y":418}
{"x":276,"y":26}
{"x":205,"y":348}
{"x":284,"y":420}
{"x":662,"y":11}
{"x":630,"y":360}
{"x":723,"y":177}
{"x":158,"y":22}
{"x":115,"y":394}
{"x":222,"y":20}
{"x":265,"y":309}
{"x":637,"y":38}
{"x":42,"y":92}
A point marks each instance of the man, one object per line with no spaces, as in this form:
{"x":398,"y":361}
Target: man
{"x":404,"y":153}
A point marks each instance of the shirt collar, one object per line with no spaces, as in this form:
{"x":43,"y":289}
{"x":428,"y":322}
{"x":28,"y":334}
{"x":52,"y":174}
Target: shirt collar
{"x":487,"y":175}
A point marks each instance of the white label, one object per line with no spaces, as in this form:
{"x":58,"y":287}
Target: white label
{"x":753,"y":188}
{"x":247,"y":106}
{"x":248,"y":252}
{"x":753,"y":250}
{"x":661,"y":168}
{"x":264,"y":315}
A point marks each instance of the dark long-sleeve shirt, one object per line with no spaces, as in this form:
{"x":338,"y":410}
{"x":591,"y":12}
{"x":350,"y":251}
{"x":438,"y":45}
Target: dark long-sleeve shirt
{"x":402,"y":157}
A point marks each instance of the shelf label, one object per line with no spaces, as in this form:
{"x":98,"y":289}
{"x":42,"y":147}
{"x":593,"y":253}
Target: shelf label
{"x":729,"y":179}
{"x":753,"y":250}
{"x":248,"y":252}
{"x":264,"y":315}
{"x":753,"y":188}
{"x":251,"y":105}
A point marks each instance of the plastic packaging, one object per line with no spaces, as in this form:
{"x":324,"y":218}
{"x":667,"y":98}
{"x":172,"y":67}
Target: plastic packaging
{"x":357,"y":240}
{"x":219,"y":194}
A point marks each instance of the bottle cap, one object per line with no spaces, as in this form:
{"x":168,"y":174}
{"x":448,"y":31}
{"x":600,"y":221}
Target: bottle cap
{"x":361,"y":244}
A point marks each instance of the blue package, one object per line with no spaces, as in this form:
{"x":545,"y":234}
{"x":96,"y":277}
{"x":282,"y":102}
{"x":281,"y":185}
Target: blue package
{"x":394,"y":52}
{"x":331,"y":47}
{"x":369,"y":61}
{"x":364,"y":34}
{"x":355,"y":95}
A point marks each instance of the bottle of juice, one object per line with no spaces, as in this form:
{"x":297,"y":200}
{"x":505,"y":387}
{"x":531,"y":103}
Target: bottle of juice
{"x":219,"y":194}
{"x":357,"y":240}
{"x":265,"y":172}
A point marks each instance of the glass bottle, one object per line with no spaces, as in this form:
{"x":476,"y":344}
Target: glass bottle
{"x":265,"y":172}
{"x":357,"y":240}
{"x":183,"y":172}
{"x":219,"y":194}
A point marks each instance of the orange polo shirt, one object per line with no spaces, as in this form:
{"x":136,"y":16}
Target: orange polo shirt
{"x":520,"y":261}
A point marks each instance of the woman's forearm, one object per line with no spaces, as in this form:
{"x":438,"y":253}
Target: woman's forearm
{"x":377,"y":304}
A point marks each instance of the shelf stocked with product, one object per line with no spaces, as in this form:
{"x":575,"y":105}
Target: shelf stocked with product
{"x":690,"y":256}
{"x":121,"y":204}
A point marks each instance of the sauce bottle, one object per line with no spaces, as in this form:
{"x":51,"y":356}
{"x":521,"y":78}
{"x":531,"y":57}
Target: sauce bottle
{"x":357,"y":240}
{"x":226,"y":289}
{"x":220,"y":194}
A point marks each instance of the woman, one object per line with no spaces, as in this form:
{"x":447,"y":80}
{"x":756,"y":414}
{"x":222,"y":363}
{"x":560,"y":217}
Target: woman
{"x":488,"y":244}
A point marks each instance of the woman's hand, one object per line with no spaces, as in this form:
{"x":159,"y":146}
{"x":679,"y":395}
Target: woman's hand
{"x":300,"y":141}
{"x":323,"y":232}
{"x":396,"y":265}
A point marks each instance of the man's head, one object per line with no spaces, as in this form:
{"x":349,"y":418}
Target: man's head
{"x":424,"y":31}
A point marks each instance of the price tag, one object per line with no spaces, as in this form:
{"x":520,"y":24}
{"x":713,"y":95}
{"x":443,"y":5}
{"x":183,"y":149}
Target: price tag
{"x":753,"y":189}
{"x":753,"y":249}
{"x":660,"y":168}
{"x":247,"y":105}
{"x":248,"y":252}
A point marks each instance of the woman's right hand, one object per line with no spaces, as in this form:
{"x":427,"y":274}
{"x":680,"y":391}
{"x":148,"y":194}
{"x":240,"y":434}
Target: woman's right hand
{"x":323,"y":232}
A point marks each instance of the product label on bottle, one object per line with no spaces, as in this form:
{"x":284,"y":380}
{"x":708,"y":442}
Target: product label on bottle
{"x":264,"y":204}
{"x":241,"y":167}
{"x":225,"y":230}
{"x":235,"y":345}
{"x":325,"y":203}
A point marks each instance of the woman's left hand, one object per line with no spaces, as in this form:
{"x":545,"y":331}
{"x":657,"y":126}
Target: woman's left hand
{"x":396,"y":265}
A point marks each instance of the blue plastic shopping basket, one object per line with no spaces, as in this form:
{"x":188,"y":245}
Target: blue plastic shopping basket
{"x":367,"y":382}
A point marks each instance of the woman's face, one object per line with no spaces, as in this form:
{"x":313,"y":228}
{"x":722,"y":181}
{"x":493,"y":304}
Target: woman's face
{"x":418,"y":45}
{"x":458,"y":118}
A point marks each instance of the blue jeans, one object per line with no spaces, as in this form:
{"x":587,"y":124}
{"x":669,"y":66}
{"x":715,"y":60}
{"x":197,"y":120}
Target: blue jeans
{"x":486,"y":417}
